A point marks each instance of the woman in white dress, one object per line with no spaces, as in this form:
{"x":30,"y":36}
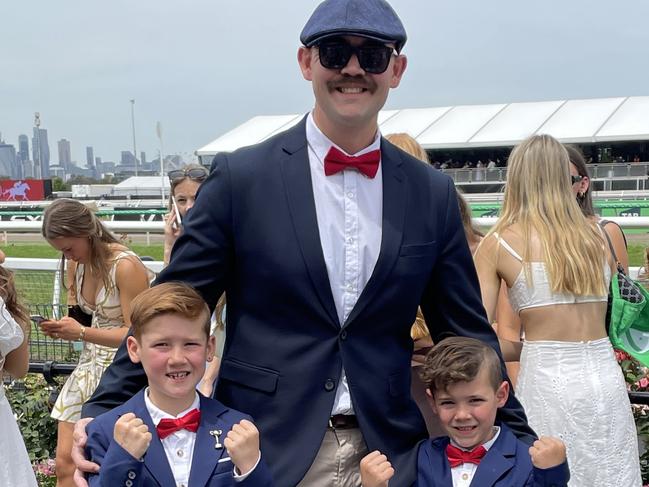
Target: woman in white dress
{"x":15,"y":467}
{"x":557,"y":268}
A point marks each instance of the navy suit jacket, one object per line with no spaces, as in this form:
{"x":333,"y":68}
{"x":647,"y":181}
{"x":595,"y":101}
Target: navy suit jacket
{"x":506,"y":464}
{"x":253,"y":232}
{"x":210,"y":467}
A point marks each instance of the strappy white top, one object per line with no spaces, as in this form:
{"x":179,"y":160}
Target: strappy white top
{"x":538,"y":293}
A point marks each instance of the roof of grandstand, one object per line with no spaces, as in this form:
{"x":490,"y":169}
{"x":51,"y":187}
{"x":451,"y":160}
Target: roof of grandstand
{"x":495,"y":125}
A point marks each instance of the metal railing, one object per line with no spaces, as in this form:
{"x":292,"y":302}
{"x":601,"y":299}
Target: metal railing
{"x":603,"y":171}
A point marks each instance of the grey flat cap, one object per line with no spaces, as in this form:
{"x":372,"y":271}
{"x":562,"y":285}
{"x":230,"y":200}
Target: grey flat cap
{"x":374,"y":19}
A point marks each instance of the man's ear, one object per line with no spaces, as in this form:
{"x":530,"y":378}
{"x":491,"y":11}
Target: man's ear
{"x":398,"y":68}
{"x":305,"y":60}
{"x":133,"y":348}
{"x":502,"y":393}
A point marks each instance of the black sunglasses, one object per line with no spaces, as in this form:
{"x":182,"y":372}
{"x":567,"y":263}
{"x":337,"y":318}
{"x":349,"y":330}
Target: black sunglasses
{"x":195,"y":173}
{"x":576,"y":179}
{"x":372,"y":57}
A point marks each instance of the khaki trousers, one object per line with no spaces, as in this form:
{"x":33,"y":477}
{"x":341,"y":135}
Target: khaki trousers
{"x":337,"y":463}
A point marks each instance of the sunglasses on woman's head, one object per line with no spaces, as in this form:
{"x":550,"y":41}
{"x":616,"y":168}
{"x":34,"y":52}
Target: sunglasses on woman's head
{"x":195,"y":173}
{"x":373,"y":57}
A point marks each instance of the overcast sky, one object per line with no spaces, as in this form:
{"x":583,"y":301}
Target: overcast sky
{"x":202,"y":67}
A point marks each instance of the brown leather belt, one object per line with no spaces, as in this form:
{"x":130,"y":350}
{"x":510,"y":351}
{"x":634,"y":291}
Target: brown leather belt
{"x":343,"y":422}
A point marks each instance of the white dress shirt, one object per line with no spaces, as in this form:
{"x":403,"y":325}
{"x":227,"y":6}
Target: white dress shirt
{"x":179,"y":446}
{"x":349,"y":210}
{"x":463,"y":474}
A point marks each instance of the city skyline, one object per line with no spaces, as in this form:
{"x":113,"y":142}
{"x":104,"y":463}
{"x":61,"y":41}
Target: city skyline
{"x":202,"y":68}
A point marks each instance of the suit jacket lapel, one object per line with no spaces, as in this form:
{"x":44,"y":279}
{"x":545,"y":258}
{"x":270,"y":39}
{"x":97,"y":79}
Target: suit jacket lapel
{"x":299,"y":190}
{"x":394,"y":205}
{"x":155,"y":458}
{"x":497,"y":461}
{"x":205,"y":456}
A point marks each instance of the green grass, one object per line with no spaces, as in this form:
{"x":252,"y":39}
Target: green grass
{"x":44,"y":251}
{"x":636,"y":255}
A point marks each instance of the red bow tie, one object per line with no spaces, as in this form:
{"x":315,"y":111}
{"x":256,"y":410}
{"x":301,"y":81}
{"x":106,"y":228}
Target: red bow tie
{"x":188,"y":422}
{"x":457,"y":457}
{"x":368,"y":163}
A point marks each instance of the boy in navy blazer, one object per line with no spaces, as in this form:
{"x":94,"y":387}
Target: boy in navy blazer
{"x":465,"y":389}
{"x":168,"y":434}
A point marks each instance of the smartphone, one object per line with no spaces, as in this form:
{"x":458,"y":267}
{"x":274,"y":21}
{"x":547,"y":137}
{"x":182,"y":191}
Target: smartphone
{"x":37,"y":319}
{"x":179,"y":221}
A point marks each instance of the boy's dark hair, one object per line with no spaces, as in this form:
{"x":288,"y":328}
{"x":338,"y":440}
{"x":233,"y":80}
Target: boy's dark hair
{"x":174,"y":298}
{"x":460,"y":359}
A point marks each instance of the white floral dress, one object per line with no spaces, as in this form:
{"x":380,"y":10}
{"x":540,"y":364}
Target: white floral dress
{"x":94,"y":359}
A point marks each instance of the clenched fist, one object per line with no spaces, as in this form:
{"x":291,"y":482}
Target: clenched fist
{"x":376,"y":471}
{"x":548,"y":452}
{"x":242,"y":444}
{"x":132,"y":434}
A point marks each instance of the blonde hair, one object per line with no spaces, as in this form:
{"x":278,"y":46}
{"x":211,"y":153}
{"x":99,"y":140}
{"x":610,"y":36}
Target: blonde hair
{"x":66,"y":217}
{"x":408,"y":144}
{"x":538,"y":198}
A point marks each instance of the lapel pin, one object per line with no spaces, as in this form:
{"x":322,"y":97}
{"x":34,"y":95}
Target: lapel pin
{"x":217,"y":441}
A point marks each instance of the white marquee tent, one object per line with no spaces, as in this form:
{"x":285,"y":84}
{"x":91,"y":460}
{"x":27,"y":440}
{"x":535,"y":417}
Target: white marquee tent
{"x":496,"y":125}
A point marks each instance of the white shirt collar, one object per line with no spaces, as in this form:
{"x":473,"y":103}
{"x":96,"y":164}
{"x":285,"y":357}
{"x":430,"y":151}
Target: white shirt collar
{"x":158,"y":414}
{"x":320,"y":143}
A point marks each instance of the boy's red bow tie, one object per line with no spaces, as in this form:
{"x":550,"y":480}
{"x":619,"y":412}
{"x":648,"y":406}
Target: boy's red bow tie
{"x":336,"y":161}
{"x":188,"y":422}
{"x":457,"y":457}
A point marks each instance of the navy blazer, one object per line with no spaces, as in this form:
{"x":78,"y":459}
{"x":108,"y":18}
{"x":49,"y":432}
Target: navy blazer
{"x":253,"y":232}
{"x":506,"y":464}
{"x":210,"y":467}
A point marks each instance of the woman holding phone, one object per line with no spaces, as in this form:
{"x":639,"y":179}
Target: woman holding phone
{"x":103,"y":276}
{"x":184,"y":185}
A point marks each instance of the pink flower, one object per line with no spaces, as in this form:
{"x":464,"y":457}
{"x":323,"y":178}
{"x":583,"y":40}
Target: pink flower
{"x":621,"y":355}
{"x":644,"y":382}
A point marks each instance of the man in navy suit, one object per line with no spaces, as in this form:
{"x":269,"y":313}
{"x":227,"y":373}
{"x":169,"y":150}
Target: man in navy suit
{"x":465,"y":388}
{"x":326,"y":238}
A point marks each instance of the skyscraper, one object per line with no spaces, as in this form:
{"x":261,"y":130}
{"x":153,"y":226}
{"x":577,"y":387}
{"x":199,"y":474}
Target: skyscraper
{"x":41,"y":153}
{"x":8,"y":166}
{"x":65,"y":157}
{"x":23,"y":148}
{"x":90,"y":157}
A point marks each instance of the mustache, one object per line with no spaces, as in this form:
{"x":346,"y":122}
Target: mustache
{"x":347,"y":81}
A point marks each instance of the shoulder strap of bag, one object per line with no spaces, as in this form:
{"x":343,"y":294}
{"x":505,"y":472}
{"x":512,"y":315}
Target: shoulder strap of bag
{"x":610,"y":244}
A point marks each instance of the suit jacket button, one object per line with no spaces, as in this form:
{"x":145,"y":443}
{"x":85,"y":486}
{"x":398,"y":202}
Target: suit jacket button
{"x":131,"y":474}
{"x":343,"y":335}
{"x":329,"y":385}
{"x":128,"y":483}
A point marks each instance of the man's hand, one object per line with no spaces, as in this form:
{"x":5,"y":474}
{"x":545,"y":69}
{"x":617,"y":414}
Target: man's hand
{"x":132,"y":434}
{"x":79,"y":439}
{"x":242,"y":444}
{"x":548,"y":452}
{"x":376,"y":471}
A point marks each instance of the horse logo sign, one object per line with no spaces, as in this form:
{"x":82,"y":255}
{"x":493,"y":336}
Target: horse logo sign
{"x":19,"y":189}
{"x":24,"y":189}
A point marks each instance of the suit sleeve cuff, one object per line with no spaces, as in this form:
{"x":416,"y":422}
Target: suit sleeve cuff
{"x":238,"y":477}
{"x":557,"y":475}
